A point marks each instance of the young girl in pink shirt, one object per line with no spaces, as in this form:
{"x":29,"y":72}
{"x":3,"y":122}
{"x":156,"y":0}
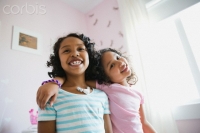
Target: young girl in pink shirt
{"x":115,"y":77}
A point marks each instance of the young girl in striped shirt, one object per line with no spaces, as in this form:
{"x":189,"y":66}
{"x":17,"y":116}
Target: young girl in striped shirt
{"x":74,"y":111}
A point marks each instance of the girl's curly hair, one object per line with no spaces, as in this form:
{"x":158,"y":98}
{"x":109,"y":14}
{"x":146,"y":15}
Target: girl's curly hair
{"x":100,"y":75}
{"x":54,"y":62}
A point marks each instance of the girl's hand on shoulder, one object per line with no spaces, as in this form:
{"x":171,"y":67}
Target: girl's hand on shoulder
{"x":45,"y":93}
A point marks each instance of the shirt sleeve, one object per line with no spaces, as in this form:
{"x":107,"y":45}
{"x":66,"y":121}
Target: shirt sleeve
{"x":102,"y":87}
{"x":142,"y":99}
{"x":47,"y":114}
{"x":139,"y":95}
{"x":106,"y":105}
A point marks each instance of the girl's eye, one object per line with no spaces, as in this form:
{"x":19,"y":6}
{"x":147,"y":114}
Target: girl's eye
{"x":66,"y":51}
{"x":118,"y":57}
{"x":112,"y":65}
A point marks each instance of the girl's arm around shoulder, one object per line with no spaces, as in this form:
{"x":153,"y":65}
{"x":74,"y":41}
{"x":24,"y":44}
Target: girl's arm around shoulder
{"x":107,"y":123}
{"x":95,"y":84}
{"x":147,"y":127}
{"x":47,"y":126}
{"x":47,"y":91}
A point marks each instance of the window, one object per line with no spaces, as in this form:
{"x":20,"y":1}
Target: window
{"x":171,"y":58}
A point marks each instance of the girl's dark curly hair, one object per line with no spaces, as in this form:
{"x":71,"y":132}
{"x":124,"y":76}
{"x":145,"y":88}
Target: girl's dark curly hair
{"x":100,"y":75}
{"x":54,"y":62}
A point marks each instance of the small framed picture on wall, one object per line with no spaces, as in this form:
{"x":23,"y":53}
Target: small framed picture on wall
{"x":26,"y":41}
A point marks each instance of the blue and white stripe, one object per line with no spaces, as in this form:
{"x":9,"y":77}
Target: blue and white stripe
{"x":77,"y":113}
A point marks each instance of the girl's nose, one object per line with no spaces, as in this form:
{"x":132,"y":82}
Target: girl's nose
{"x":75,"y":54}
{"x":121,"y":63}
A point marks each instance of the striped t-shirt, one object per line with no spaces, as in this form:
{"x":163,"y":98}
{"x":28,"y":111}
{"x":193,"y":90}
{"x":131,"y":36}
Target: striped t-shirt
{"x":76,"y":113}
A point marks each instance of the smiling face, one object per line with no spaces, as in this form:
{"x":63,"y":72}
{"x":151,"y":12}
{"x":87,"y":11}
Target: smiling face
{"x":73,"y":56}
{"x":115,"y":67}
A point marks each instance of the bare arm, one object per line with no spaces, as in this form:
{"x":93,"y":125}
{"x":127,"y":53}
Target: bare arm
{"x":47,"y":91}
{"x":107,"y":123}
{"x":147,"y":127}
{"x":91,"y":83}
{"x":46,"y":126}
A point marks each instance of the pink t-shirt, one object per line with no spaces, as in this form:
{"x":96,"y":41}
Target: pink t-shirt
{"x":124,"y":106}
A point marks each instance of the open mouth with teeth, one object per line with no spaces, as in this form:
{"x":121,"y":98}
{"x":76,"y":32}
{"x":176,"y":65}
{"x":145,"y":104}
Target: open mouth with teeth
{"x":75,"y":62}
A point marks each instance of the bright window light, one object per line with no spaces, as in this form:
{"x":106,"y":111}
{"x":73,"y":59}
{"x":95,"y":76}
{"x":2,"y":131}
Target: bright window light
{"x":167,"y":72}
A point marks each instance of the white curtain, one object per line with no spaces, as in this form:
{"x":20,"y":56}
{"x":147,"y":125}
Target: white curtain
{"x":135,"y":23}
